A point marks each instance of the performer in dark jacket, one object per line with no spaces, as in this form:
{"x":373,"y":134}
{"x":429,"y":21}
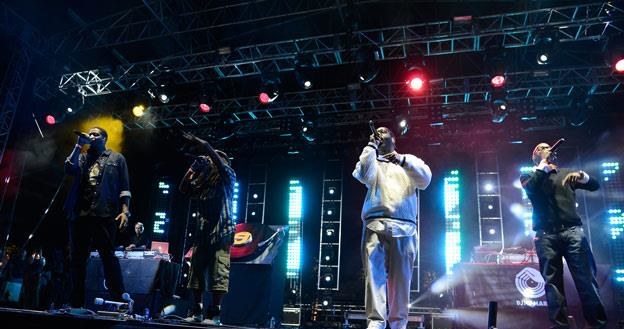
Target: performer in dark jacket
{"x":559,"y":234}
{"x":98,"y":204}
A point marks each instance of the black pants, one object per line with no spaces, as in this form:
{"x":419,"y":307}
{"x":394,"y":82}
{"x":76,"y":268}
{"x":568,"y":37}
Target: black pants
{"x":572,"y":244}
{"x":97,"y":233}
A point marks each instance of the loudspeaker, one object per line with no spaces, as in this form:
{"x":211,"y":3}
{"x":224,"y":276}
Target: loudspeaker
{"x":255,"y":295}
{"x":139,"y":277}
{"x":439,"y":321}
{"x":492,"y":313}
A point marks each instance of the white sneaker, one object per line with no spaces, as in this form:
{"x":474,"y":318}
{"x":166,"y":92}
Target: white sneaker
{"x":215,"y":321}
{"x":194,"y":318}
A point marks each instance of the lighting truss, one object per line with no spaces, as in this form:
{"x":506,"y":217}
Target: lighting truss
{"x":551,"y":88}
{"x":510,"y":30}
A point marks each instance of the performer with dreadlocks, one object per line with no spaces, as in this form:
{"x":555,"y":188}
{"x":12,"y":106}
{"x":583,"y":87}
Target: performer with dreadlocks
{"x":210,"y":179}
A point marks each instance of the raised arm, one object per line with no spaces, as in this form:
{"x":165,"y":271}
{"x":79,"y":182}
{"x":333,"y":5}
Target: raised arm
{"x":72,"y":162}
{"x":366,"y":168}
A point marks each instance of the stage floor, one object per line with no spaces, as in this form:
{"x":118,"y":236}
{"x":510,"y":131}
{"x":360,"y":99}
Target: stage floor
{"x":19,"y":318}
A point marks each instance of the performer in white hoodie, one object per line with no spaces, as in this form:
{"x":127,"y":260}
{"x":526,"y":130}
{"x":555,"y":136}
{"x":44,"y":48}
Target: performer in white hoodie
{"x":389,"y":230}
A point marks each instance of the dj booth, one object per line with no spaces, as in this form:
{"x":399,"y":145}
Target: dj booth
{"x":149,"y":279}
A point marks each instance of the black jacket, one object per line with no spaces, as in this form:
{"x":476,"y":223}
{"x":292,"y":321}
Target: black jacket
{"x":113,"y":184}
{"x":554,"y":205}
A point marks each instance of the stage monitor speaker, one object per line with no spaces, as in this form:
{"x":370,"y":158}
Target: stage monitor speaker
{"x":292,"y":316}
{"x":139,"y":276}
{"x":439,"y":321}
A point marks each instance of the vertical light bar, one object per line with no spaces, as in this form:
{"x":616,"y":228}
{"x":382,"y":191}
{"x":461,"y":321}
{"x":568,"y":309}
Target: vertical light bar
{"x":527,"y":214}
{"x":235,"y":203}
{"x":452,"y":219}
{"x":161,"y":213}
{"x":295,"y":200}
{"x":612,"y":186}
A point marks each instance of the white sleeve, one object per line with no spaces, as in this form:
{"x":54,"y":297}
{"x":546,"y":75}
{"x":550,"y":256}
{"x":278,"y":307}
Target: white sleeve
{"x":417,"y":170}
{"x":366,"y":169}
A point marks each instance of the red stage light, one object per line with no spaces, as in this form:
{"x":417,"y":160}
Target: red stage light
{"x":619,"y":65}
{"x":497,"y":81}
{"x":49,"y":119}
{"x":416,"y":83}
{"x":204,"y":107}
{"x":264,"y":98}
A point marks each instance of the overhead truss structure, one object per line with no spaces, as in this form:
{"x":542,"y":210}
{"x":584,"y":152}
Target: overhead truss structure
{"x":592,"y":21}
{"x":549,"y":89}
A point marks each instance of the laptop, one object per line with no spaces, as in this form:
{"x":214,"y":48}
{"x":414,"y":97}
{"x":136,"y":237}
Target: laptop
{"x":160,"y":247}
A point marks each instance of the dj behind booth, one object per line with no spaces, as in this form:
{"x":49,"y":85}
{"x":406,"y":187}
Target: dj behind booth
{"x":149,"y":277}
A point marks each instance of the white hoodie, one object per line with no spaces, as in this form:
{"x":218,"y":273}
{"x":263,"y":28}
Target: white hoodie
{"x":391,"y":187}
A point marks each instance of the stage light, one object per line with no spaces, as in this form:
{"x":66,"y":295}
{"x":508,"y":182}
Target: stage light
{"x":74,"y":101}
{"x":366,"y":58}
{"x":332,"y":190}
{"x":269,"y":91}
{"x":325,"y":302}
{"x":543,"y":58}
{"x":619,"y":65}
{"x":402,"y":122}
{"x":415,"y":78}
{"x":207,"y":95}
{"x":498,"y":104}
{"x":488,"y":187}
{"x":497,"y":81}
{"x":164,"y":80}
{"x":329,"y":232}
{"x":204,"y":107}
{"x":255,"y":195}
{"x":50,"y":119}
{"x":138,"y":110}
{"x":304,"y":70}
{"x":307,"y":130}
{"x":545,"y":42}
{"x":499,"y":110}
{"x":328,"y":277}
{"x":492,"y":231}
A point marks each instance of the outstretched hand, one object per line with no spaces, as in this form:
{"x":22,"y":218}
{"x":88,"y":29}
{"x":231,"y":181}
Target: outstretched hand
{"x":192,"y":137}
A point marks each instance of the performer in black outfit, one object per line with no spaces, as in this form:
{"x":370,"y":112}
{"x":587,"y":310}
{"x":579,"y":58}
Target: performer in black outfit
{"x":559,"y":234}
{"x":97,"y":205}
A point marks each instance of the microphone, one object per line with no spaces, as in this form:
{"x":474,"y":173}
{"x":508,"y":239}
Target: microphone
{"x":371,"y":125}
{"x":81,"y":134}
{"x":129,"y":302}
{"x":102,"y":301}
{"x":558,"y":143}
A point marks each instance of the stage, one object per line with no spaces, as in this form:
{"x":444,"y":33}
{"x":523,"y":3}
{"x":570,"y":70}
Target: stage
{"x":83,"y":319}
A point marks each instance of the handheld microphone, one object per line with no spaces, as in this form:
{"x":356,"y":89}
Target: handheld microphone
{"x":102,"y":301}
{"x":554,"y":147}
{"x":371,"y":125}
{"x":81,"y":134}
{"x":117,"y":305}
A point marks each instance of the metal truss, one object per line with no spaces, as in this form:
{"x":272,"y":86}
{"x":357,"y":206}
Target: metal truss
{"x":552,"y":89}
{"x":511,"y":30}
{"x":184,"y":19}
{"x":10,"y":93}
{"x":12,"y":24}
